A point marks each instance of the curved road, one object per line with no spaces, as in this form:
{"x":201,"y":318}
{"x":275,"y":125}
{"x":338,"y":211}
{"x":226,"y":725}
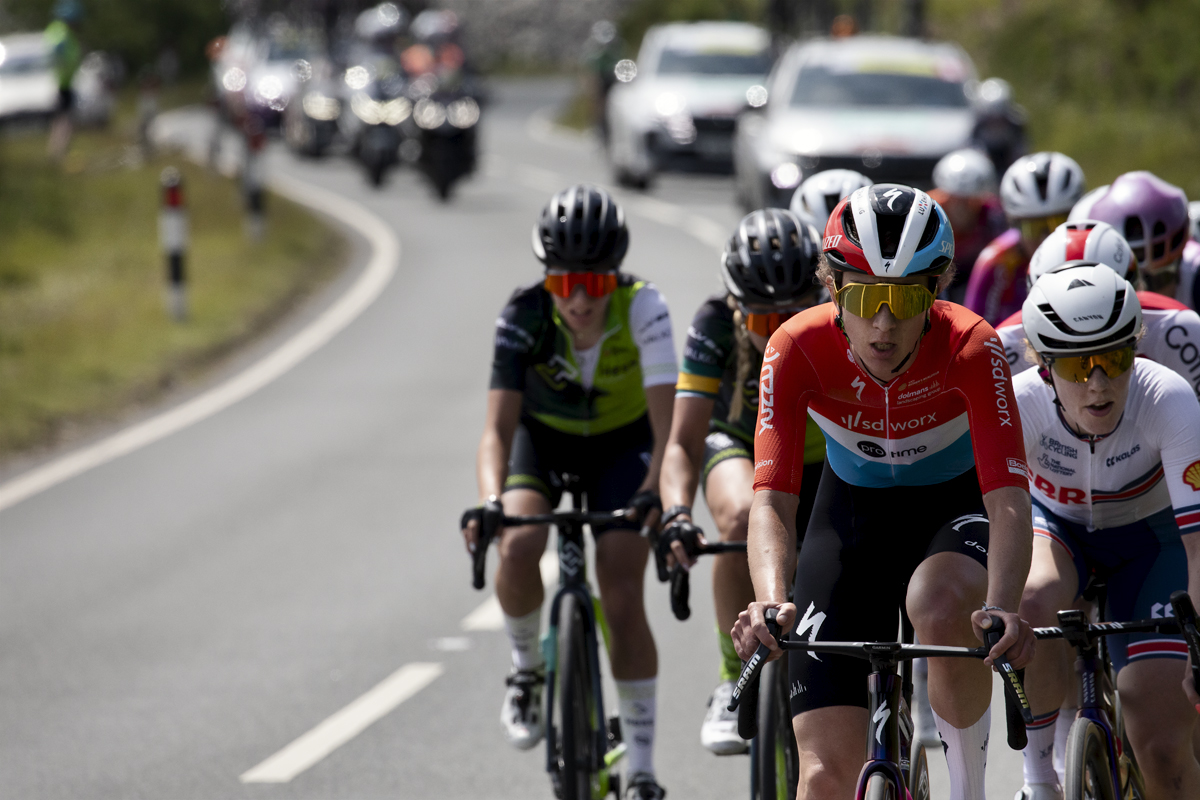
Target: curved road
{"x":273,"y":602}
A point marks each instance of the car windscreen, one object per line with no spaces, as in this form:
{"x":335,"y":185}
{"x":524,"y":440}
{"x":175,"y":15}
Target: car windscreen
{"x":825,"y":88}
{"x":693,"y":62}
{"x":25,"y":63}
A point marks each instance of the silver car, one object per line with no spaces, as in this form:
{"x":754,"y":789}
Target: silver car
{"x":678,"y":103}
{"x":887,"y":107}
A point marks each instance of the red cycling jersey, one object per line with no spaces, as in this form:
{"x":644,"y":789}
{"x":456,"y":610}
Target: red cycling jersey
{"x":916,"y":431}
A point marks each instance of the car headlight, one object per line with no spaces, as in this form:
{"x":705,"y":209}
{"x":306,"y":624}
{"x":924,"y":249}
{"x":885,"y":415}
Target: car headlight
{"x":429,"y":114}
{"x":321,"y":107}
{"x":357,"y":77}
{"x":668,"y":104}
{"x":756,"y":96}
{"x":234,"y":79}
{"x":269,"y":88}
{"x":463,"y":112}
{"x":366,"y":109}
{"x":786,"y":176}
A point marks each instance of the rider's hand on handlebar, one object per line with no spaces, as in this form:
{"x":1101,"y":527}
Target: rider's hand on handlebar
{"x":647,"y":507}
{"x":472,"y":522}
{"x":680,"y":533}
{"x":1018,"y":640}
{"x":750,"y":630}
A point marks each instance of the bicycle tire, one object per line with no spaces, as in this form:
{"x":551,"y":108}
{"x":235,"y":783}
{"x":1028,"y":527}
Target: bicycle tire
{"x":881,"y":787}
{"x":1089,"y":772}
{"x":918,"y":773}
{"x":775,"y":767}
{"x":576,"y":704}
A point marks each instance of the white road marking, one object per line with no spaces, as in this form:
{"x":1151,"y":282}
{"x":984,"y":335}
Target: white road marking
{"x":489,"y":617}
{"x":379,"y":271}
{"x":344,"y":725}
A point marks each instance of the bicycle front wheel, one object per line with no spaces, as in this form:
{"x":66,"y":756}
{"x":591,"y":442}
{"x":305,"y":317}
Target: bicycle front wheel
{"x":918,"y":773}
{"x":881,"y":787}
{"x":576,"y":704}
{"x":775,"y":766}
{"x":1089,"y":772}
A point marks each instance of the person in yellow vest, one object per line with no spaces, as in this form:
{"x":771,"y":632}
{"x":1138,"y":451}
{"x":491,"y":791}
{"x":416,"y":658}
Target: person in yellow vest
{"x":583,"y":382}
{"x":66,"y":55}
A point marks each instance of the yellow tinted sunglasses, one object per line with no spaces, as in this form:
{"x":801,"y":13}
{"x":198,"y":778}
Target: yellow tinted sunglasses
{"x":904,"y":299}
{"x":1078,"y":369}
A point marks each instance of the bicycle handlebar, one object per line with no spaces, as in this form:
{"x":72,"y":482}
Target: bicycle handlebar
{"x":678,"y":576}
{"x":745,"y":693}
{"x":492,"y":519}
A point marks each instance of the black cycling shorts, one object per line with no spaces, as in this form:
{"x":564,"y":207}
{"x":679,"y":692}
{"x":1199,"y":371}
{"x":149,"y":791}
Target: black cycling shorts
{"x":611,"y":466}
{"x":720,"y":446}
{"x":861,"y":548}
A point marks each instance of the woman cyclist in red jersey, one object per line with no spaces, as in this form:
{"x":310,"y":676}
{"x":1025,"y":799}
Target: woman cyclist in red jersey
{"x":923,"y":449}
{"x":769,"y":269}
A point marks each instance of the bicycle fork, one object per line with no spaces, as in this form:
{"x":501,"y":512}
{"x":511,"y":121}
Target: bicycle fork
{"x":883,"y":740}
{"x":1093,"y":705}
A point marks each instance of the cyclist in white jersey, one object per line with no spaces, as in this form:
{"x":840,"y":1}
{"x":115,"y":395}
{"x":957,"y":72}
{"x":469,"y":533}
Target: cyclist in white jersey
{"x":1113,"y":447}
{"x":1172,"y":329}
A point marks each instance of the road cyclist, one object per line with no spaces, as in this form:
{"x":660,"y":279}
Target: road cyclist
{"x":769,"y":268}
{"x":1152,"y":215}
{"x":1113,"y":445}
{"x":1037,"y":192}
{"x":924,"y":498}
{"x":1172,"y":335}
{"x":964,"y":183}
{"x":583,"y":381}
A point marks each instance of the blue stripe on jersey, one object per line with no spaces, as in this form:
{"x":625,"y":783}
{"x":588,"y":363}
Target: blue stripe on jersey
{"x":857,"y":469}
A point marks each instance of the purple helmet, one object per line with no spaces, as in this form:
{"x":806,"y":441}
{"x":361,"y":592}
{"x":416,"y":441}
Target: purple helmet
{"x":1151,"y":213}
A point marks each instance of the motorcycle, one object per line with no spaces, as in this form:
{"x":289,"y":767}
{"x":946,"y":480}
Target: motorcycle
{"x":446,"y":122}
{"x":380,"y":106}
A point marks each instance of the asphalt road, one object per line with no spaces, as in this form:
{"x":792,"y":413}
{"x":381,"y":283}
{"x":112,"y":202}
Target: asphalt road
{"x":174,"y":618}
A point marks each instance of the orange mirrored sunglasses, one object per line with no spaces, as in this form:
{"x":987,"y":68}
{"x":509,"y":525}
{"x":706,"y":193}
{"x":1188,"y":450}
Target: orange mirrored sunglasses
{"x":596,"y":284}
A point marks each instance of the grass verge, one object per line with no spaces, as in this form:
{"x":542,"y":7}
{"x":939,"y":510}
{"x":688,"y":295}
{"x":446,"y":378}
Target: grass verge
{"x":84,"y":331}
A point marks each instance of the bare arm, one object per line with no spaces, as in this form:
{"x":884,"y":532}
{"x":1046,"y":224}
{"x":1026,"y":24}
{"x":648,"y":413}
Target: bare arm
{"x":1010,"y":550}
{"x":660,"y":401}
{"x":682,"y":460}
{"x":491,"y":460}
{"x":1191,"y":545}
{"x":771,"y":549}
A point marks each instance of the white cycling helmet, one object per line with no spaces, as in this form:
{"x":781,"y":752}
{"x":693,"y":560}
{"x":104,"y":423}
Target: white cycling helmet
{"x":816,"y":198}
{"x":1041,"y":185}
{"x":965,"y":173}
{"x":1083,"y":308}
{"x":1083,"y":209}
{"x":1087,"y":240}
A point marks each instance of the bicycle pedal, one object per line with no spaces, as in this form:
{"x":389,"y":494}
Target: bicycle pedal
{"x":614,"y":731}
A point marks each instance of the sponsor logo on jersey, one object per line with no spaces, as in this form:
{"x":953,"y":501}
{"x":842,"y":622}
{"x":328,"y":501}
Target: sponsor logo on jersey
{"x":1001,"y":380}
{"x":766,"y":394}
{"x":764,"y":463}
{"x":1055,"y":446}
{"x":857,"y":421}
{"x":1054,"y":465}
{"x":1189,"y":354}
{"x":872,"y":449}
{"x":1018,"y":467}
{"x":1112,"y":461}
{"x":858,"y":383}
{"x":1191,"y":476}
{"x":1063,"y":494}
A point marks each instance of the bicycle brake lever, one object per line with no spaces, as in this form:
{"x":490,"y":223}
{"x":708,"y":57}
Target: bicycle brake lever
{"x":1185,"y":613}
{"x":680,"y":589}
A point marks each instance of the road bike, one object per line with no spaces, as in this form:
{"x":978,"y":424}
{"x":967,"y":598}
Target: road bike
{"x":896,"y":767}
{"x":774,"y":762}
{"x":1100,"y":764}
{"x":583,"y":746}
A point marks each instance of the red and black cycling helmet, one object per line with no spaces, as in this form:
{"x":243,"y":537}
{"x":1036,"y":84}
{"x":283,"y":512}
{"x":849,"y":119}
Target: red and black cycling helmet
{"x":891,"y":231}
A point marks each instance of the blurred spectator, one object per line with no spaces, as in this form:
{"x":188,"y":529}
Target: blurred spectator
{"x":844,"y":25}
{"x":601,"y":53}
{"x":67,"y":54}
{"x":999,"y":124}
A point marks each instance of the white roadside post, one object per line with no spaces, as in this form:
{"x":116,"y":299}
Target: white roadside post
{"x":173,"y":236}
{"x":252,"y":180}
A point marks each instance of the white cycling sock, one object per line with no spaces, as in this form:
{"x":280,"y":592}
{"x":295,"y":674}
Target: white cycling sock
{"x":966,"y":755}
{"x":1062,"y":729}
{"x":1039,"y":753}
{"x":635,"y":704}
{"x":526,"y":645}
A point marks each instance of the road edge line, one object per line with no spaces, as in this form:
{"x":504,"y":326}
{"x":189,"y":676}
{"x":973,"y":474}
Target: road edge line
{"x":381,"y":267}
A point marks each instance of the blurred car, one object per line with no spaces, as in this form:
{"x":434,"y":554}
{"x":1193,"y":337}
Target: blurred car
{"x":260,"y":73}
{"x":311,"y":119}
{"x":887,"y":107}
{"x":29,"y":88}
{"x":679,"y":102}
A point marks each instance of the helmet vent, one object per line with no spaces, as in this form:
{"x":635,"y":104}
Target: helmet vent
{"x":890,"y":227}
{"x":1042,"y":179}
{"x":1177,"y":239}
{"x":931,"y":228}
{"x":831,"y":201}
{"x":849,"y":227}
{"x":1078,"y":282}
{"x":755,"y":245}
{"x":1133,"y":230}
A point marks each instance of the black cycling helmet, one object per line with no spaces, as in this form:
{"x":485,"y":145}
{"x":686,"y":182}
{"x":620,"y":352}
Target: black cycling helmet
{"x":771,"y":259}
{"x":582,"y":228}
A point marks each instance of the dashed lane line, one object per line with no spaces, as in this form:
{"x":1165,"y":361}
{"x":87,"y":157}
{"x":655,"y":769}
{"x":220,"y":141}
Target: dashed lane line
{"x":345,"y":724}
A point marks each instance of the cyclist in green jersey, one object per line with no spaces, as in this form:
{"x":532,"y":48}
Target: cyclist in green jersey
{"x":583,"y":381}
{"x":66,"y":54}
{"x":768,"y":268}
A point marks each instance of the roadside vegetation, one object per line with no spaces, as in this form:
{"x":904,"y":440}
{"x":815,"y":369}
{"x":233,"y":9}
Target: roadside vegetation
{"x":84,"y":331}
